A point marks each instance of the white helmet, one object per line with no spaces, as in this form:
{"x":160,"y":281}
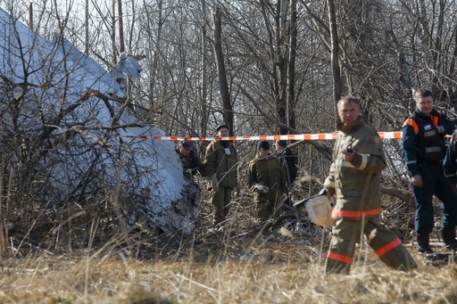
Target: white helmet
{"x":320,"y":210}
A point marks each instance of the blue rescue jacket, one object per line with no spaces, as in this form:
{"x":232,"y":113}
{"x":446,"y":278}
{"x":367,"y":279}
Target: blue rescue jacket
{"x":422,"y":141}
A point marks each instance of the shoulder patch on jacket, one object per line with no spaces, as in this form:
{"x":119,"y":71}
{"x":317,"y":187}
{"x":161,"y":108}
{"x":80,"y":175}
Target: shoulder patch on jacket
{"x":409,"y":121}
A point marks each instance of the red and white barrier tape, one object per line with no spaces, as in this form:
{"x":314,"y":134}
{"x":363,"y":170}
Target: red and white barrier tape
{"x":320,"y":136}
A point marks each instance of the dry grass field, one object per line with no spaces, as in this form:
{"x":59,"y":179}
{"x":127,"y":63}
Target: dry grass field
{"x":243,"y":262}
{"x":278,"y":269}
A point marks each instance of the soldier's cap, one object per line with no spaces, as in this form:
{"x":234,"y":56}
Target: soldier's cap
{"x":187,"y":144}
{"x":263,"y":144}
{"x":222,"y":126}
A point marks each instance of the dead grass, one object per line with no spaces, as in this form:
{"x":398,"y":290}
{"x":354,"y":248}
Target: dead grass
{"x":240,"y":263}
{"x":277,"y":268}
{"x":134,"y":281}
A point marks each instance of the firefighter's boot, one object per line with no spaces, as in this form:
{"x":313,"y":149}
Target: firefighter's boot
{"x":448,"y":235}
{"x":424,"y":245}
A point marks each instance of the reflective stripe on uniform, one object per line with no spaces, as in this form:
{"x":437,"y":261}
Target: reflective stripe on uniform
{"x":356,"y":214}
{"x":329,"y":184}
{"x":364,"y":161}
{"x":388,"y":247}
{"x":430,"y":133}
{"x":339,"y":257}
{"x":412,"y":123}
{"x":339,"y":163}
{"x":432,"y":149}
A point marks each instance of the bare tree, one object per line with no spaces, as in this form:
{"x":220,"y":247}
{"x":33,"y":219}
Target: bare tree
{"x":337,"y":87}
{"x":121,"y":26}
{"x":225,"y":94}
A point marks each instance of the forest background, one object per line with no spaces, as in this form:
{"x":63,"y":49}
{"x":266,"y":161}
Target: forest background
{"x":263,"y":67}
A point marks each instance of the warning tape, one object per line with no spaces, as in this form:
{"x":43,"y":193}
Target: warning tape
{"x":320,"y":136}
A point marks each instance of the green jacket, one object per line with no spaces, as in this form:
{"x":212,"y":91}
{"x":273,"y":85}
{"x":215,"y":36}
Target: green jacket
{"x":357,"y":185}
{"x":224,"y":164}
{"x":270,"y":172}
{"x":190,"y":161}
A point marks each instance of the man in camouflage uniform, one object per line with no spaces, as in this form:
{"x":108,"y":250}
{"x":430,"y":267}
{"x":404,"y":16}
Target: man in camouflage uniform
{"x":267,"y":170}
{"x":220,"y":167}
{"x":191,"y":163}
{"x":355,"y":180}
{"x":189,"y":159}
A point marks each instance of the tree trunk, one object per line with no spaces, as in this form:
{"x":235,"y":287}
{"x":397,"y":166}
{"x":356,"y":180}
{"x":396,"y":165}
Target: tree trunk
{"x":113,"y":32}
{"x":204,"y":77}
{"x":225,"y":96}
{"x":121,"y":27}
{"x":280,"y":68}
{"x":157,"y":52}
{"x":31,"y":15}
{"x":86,"y":28}
{"x":337,"y":90}
{"x":292,"y":54}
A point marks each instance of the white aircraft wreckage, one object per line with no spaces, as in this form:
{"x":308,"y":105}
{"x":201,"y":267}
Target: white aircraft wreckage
{"x":81,"y":137}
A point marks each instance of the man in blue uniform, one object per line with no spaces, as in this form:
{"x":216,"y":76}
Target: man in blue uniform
{"x":423,"y":149}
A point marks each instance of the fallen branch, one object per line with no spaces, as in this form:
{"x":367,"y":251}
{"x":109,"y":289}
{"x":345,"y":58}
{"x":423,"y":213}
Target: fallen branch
{"x":404,"y":195}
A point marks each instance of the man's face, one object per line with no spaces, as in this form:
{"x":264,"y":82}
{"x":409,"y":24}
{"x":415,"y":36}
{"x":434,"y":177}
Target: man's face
{"x":348,"y":112}
{"x":223,"y":132}
{"x":183,"y":151}
{"x":278,"y":147}
{"x":425,"y":105}
{"x":263,"y":152}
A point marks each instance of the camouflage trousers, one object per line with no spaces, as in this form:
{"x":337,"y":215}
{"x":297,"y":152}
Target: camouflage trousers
{"x":220,"y":201}
{"x":265,"y":208}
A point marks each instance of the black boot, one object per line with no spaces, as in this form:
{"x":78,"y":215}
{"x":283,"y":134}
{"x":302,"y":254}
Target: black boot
{"x":424,"y":245}
{"x":448,"y":235}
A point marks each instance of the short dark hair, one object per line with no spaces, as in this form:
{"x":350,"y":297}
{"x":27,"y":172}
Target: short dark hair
{"x":422,"y":92}
{"x":348,"y":99}
{"x":281,"y":143}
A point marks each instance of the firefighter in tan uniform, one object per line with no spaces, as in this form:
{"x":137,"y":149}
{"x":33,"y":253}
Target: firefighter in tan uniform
{"x":220,"y":167}
{"x":267,"y":178}
{"x":354,"y":179}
